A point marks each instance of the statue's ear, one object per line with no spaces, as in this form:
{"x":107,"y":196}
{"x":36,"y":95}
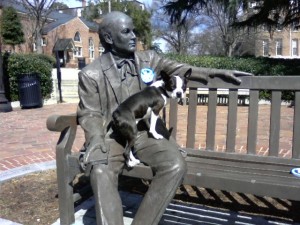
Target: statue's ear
{"x":108,"y":38}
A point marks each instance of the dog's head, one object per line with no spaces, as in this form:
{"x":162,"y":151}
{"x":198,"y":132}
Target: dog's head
{"x":176,"y":85}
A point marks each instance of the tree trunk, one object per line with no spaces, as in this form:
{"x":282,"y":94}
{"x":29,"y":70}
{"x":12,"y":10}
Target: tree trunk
{"x":39,"y":48}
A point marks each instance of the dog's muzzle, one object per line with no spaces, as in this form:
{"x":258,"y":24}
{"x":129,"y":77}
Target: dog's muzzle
{"x":179,"y":95}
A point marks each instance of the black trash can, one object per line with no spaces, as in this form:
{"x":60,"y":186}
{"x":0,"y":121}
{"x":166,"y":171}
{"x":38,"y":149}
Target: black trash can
{"x":30,"y":90}
{"x":81,"y":63}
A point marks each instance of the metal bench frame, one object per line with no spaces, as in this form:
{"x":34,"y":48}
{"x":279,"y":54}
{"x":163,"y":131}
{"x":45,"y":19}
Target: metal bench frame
{"x":229,"y":171}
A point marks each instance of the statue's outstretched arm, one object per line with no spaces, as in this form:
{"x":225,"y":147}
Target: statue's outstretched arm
{"x":202,"y":74}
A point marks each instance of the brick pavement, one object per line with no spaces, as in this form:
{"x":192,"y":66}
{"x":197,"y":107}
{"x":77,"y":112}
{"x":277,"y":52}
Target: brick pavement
{"x":25,"y":139}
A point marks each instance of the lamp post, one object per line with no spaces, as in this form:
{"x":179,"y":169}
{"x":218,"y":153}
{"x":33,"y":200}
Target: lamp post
{"x":5,"y":106}
{"x":58,"y":75}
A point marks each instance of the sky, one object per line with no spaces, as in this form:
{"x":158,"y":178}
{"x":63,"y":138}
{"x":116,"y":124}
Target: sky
{"x":74,"y":3}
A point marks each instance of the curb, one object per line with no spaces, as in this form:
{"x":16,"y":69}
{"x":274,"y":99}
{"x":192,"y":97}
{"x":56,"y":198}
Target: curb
{"x":24,"y":170}
{"x":7,"y":222}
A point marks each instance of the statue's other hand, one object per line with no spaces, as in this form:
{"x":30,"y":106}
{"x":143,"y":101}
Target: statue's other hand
{"x":230,"y":75}
{"x":95,"y":152}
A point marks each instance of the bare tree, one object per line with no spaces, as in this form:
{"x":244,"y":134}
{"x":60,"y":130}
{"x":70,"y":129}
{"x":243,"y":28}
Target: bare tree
{"x":39,"y":11}
{"x":221,"y":15}
{"x":179,"y":36}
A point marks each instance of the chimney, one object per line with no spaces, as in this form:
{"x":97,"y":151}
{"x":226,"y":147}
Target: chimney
{"x":83,"y":3}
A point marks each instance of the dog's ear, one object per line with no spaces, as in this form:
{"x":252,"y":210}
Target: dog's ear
{"x":188,"y":73}
{"x":164,"y":75}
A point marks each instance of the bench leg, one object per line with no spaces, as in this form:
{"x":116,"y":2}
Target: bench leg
{"x":64,"y":179}
{"x":295,"y":209}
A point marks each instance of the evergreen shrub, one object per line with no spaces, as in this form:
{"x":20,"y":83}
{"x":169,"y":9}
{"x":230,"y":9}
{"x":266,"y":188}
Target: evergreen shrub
{"x":30,"y":63}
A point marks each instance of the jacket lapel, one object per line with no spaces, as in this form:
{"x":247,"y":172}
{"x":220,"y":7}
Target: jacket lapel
{"x":112,"y":75}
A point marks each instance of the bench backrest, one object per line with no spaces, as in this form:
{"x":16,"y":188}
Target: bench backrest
{"x":255,"y":84}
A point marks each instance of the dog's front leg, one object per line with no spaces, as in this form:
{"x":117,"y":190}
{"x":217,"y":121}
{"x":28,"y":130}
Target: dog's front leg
{"x":153,"y":120}
{"x":132,"y":161}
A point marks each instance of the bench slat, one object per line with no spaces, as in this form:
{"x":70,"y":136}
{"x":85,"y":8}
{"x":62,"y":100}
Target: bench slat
{"x":235,"y":184}
{"x":173,"y":117}
{"x":192,"y":118}
{"x":275,"y":123}
{"x":281,"y":173}
{"x":252,"y":122}
{"x":250,"y":178}
{"x":296,"y":129}
{"x":211,"y":119}
{"x":231,"y":121}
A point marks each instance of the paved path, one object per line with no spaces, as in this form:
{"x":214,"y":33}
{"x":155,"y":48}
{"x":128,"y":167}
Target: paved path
{"x":25,"y":139}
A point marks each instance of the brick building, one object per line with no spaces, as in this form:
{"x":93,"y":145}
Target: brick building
{"x":283,"y":44}
{"x":66,"y":35}
{"x":70,"y":36}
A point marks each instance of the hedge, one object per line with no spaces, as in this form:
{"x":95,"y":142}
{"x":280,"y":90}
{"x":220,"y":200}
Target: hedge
{"x":27,"y":63}
{"x":259,"y":66}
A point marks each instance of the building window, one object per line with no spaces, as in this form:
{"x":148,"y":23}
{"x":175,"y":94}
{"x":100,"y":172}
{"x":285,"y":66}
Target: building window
{"x":91,"y":49}
{"x":78,"y":51}
{"x":44,"y":41}
{"x":295,"y":26}
{"x":278,"y":46}
{"x":265,"y":47}
{"x":77,"y":37}
{"x":295,"y":47}
{"x":279,"y":27}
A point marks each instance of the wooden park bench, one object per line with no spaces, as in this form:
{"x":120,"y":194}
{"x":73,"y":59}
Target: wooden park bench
{"x":227,"y":170}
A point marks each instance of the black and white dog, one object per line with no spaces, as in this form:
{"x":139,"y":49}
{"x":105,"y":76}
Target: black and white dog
{"x":146,"y":104}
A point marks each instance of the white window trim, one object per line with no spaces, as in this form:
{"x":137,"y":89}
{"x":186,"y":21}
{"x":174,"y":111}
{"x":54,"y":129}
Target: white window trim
{"x":279,"y":46}
{"x":44,"y":41}
{"x":295,"y":45}
{"x":75,"y":52}
{"x":91,"y":49}
{"x":265,"y":45}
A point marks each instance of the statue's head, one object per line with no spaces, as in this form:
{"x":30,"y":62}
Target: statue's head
{"x":117,"y":35}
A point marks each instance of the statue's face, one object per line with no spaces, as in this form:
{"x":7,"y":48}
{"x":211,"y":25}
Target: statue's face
{"x":123,"y":37}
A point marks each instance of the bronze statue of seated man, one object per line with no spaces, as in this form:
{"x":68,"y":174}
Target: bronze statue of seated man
{"x":103,"y":85}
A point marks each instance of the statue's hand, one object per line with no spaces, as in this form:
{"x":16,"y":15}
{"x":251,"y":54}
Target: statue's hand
{"x":230,"y":75}
{"x":95,"y":152}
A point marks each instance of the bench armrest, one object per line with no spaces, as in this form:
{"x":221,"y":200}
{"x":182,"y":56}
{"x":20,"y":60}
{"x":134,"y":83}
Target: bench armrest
{"x":59,"y":122}
{"x":67,"y":166}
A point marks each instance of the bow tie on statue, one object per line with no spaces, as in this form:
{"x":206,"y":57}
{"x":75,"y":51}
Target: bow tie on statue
{"x":126,"y":66}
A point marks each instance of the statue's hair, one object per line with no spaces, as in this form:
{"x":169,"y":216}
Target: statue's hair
{"x":106,"y":25}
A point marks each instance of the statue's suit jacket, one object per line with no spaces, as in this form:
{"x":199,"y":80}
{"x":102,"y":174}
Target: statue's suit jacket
{"x":100,"y":90}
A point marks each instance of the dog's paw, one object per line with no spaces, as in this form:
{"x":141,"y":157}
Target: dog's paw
{"x":157,"y":136}
{"x":132,"y":163}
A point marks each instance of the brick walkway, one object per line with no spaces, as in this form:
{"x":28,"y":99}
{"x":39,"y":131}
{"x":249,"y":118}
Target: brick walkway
{"x":25,"y":139}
